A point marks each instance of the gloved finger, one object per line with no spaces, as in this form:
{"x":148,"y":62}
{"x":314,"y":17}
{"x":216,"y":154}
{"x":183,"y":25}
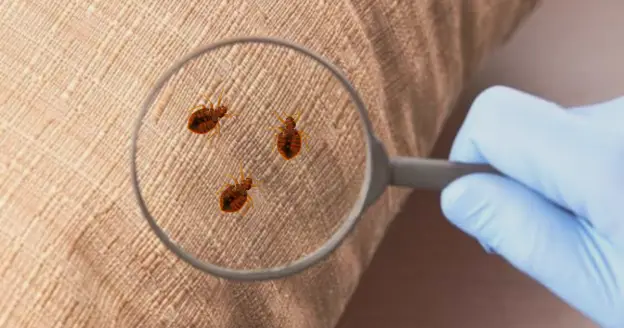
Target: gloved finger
{"x":542,"y":240}
{"x":559,"y":155}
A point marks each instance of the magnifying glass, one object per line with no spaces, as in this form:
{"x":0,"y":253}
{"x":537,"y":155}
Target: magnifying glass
{"x":253,"y":158}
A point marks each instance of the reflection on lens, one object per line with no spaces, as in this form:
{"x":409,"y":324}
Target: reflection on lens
{"x":251,"y":157}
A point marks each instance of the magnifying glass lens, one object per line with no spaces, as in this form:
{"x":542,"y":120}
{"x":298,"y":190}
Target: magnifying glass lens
{"x":251,"y":156}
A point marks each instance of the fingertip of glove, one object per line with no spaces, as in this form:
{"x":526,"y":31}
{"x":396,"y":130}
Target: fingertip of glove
{"x":458,"y":198}
{"x":450,"y":197}
{"x":469,"y":199}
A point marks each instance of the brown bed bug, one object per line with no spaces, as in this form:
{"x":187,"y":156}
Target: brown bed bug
{"x":204,"y":119}
{"x":234,"y":197}
{"x":288,"y":137}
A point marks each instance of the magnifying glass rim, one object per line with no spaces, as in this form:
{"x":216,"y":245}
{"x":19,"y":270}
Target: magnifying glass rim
{"x":265,"y":273}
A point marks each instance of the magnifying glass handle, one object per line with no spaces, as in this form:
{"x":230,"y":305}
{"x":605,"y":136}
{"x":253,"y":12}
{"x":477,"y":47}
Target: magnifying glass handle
{"x":432,"y":174}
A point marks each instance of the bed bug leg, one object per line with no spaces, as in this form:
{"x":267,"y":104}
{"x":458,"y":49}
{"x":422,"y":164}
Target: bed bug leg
{"x":244,"y":211}
{"x":257,"y":184}
{"x":298,"y":116}
{"x":214,"y":133}
{"x":304,"y":138}
{"x":206,"y":99}
{"x":194,"y":108}
{"x":279,"y":117}
{"x":242,"y":174}
{"x":249,"y":206}
{"x":276,"y":129}
{"x":220,"y":97}
{"x":251,"y":203}
{"x":233,"y":178}
{"x":209,"y":102}
{"x":275,"y":149}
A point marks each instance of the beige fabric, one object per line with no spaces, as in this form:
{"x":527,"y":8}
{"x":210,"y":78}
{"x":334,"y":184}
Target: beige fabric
{"x":76,"y":252}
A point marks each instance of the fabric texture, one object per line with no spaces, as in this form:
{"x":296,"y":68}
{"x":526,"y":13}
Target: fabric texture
{"x":76,"y":251}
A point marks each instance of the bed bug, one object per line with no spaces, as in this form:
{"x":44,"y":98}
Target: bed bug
{"x":234,"y":197}
{"x":288,"y":137}
{"x":204,"y":119}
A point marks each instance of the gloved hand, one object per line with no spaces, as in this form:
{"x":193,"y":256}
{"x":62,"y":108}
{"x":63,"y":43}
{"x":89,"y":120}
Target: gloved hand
{"x":557,"y":214}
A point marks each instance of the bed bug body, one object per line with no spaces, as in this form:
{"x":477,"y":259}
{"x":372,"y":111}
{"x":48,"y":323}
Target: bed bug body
{"x":234,"y":197}
{"x":204,"y":119}
{"x":288,"y":137}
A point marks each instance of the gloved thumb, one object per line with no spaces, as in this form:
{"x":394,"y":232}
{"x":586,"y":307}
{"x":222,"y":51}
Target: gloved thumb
{"x":540,"y":239}
{"x":506,"y":217}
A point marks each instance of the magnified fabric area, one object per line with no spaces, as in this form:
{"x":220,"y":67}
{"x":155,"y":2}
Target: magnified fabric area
{"x":251,"y":166}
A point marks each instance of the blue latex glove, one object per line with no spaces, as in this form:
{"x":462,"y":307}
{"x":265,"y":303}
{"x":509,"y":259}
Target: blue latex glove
{"x":558,"y":214}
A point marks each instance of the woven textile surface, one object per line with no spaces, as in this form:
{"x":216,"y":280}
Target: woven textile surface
{"x":74,"y":249}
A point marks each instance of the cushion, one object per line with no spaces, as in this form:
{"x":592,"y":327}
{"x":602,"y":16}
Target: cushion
{"x":76,"y":251}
